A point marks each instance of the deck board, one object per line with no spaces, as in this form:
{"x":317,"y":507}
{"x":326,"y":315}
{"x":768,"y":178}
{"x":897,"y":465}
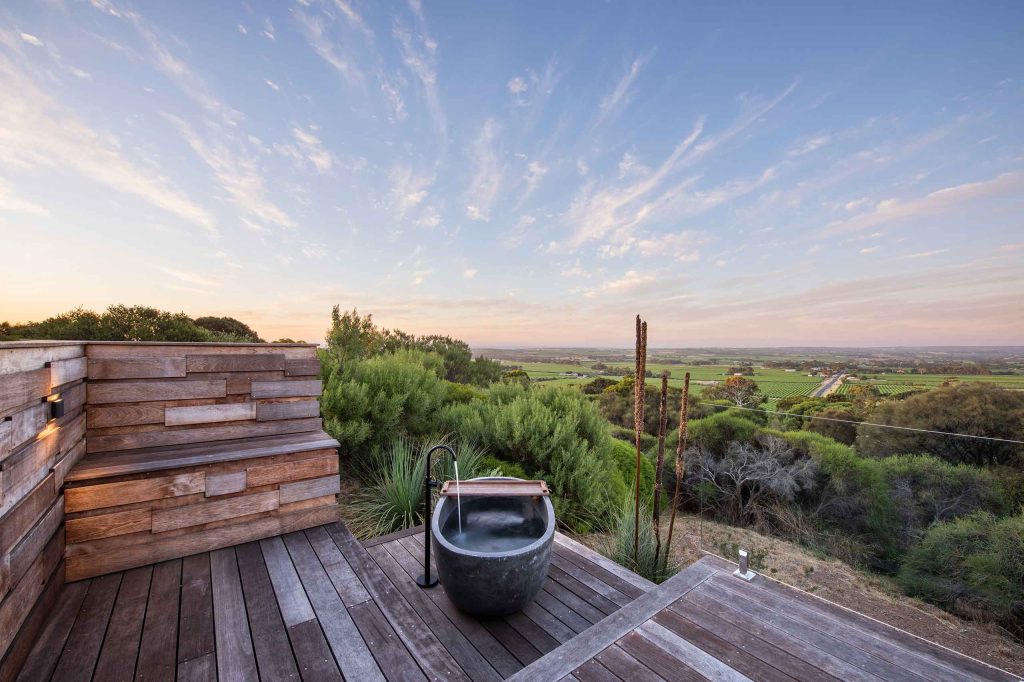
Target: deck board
{"x":320,"y":605}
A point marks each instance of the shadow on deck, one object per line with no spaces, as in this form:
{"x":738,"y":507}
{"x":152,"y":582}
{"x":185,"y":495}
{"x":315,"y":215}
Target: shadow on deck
{"x":319,"y":605}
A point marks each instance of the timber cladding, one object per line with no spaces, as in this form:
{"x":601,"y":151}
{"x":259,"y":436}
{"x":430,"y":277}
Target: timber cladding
{"x":163,"y":450}
{"x":36,"y":452}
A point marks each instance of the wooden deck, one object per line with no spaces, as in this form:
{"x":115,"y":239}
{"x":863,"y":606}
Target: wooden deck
{"x":312,"y":605}
{"x":319,"y":605}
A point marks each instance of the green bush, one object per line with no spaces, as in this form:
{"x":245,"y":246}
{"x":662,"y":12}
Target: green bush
{"x":553,"y":433}
{"x":624,"y":456}
{"x":620,"y":545}
{"x":502,"y":467}
{"x":973,"y":566}
{"x":367,"y":403}
{"x":715,"y":432}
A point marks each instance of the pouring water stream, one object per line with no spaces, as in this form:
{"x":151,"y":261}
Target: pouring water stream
{"x":458,"y":496}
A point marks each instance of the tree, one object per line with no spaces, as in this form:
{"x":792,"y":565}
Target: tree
{"x":741,"y":391}
{"x":841,"y":430}
{"x":972,"y":408}
{"x":229,"y":328}
{"x":351,"y":336}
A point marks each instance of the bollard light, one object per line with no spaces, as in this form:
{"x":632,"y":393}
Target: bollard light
{"x":744,"y":570}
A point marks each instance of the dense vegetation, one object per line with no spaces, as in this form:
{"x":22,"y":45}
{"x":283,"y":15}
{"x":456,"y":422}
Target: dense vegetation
{"x":130,"y":323}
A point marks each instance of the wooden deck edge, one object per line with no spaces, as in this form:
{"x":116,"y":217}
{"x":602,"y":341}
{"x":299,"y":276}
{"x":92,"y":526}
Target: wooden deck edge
{"x":397,"y":535}
{"x":724,"y":565}
{"x":563,"y":660}
{"x":604,"y":562}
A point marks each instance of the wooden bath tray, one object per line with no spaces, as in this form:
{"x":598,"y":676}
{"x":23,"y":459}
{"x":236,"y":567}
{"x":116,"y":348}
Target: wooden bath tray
{"x":496,"y":488}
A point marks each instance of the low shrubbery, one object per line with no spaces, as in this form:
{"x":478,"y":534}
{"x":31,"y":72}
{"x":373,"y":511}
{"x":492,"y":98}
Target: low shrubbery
{"x":973,"y":566}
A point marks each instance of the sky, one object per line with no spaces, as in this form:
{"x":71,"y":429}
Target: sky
{"x":525,"y":173}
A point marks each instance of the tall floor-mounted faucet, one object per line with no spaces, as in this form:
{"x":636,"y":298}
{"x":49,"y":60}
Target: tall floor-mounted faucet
{"x":426,"y":580}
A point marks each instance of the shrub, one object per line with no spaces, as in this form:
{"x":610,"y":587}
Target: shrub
{"x":620,"y":545}
{"x":502,"y":467}
{"x":624,"y":456}
{"x":714,"y":433}
{"x":552,"y":433}
{"x":973,"y":566}
{"x":367,"y":403}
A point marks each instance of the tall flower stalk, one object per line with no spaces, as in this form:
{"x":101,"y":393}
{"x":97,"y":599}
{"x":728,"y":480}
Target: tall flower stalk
{"x":639,"y":384}
{"x":680,"y":459}
{"x":662,"y":426}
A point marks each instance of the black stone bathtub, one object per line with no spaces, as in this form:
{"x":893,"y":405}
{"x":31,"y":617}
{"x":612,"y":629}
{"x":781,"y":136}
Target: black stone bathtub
{"x":499,"y":562}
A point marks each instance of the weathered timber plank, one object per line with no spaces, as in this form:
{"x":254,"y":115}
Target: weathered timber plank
{"x":303,"y":367}
{"x":551,"y":624}
{"x":87,"y":559}
{"x":142,"y":367}
{"x":105,"y":416}
{"x":573,"y":620}
{"x":240,"y":383}
{"x":233,"y":362}
{"x":454,"y":641}
{"x":495,"y":653}
{"x":195,"y":623}
{"x":292,"y":409}
{"x":565,"y":660}
{"x":308,"y":489}
{"x":223,"y":484}
{"x":417,"y":637}
{"x":32,"y":625}
{"x":206,"y":414}
{"x":23,"y":470}
{"x":33,"y":544}
{"x":26,"y":425}
{"x":17,"y":604}
{"x":200,"y":669}
{"x":74,"y":397}
{"x":215,"y":510}
{"x":78,"y":659}
{"x":236,"y":659}
{"x":26,"y":514}
{"x":592,"y":671}
{"x":146,"y":391}
{"x":107,"y":464}
{"x":666,"y":661}
{"x":574,"y":601}
{"x":341,"y":574}
{"x":312,"y":652}
{"x":102,"y":495}
{"x":65,"y":464}
{"x":287,"y":389}
{"x":625,"y":666}
{"x":85,"y":528}
{"x":604,"y":562}
{"x":519,"y":646}
{"x":266,"y":474}
{"x":158,"y":648}
{"x":291,"y":597}
{"x":110,"y":349}
{"x":531,"y":632}
{"x":24,"y":358}
{"x":6,"y":438}
{"x":121,"y":644}
{"x":150,"y":439}
{"x":592,"y":579}
{"x":269,"y":636}
{"x":65,"y":371}
{"x":392,"y":657}
{"x":21,"y":388}
{"x":354,"y":659}
{"x":70,"y":432}
{"x":45,"y":653}
{"x":592,"y":597}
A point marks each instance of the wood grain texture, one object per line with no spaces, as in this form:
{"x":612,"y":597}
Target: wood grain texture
{"x":495,"y":488}
{"x":101,"y":495}
{"x":67,"y":462}
{"x":23,"y":387}
{"x":23,"y":470}
{"x":145,"y":391}
{"x":169,"y":349}
{"x":236,"y":659}
{"x":302,"y":368}
{"x":26,"y":513}
{"x":15,"y":607}
{"x":6,"y":438}
{"x":65,"y":371}
{"x":214,"y":510}
{"x":158,"y":648}
{"x":310,"y":467}
{"x":224,"y":484}
{"x":21,"y":359}
{"x":287,"y":389}
{"x":201,"y":434}
{"x":106,"y":464}
{"x":53,"y":629}
{"x":105,"y":416}
{"x":308,"y":489}
{"x":33,"y":544}
{"x":207,"y":414}
{"x":292,"y":409}
{"x":265,"y":362}
{"x":136,"y":368}
{"x":82,"y":529}
{"x":26,"y":425}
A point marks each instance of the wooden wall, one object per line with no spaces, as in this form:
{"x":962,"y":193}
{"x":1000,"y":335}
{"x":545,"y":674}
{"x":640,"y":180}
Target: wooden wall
{"x":36,"y":453}
{"x":145,"y":395}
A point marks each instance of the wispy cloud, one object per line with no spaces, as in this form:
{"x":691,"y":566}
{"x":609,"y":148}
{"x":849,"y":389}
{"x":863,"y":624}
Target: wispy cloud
{"x":408,"y":189}
{"x":942,"y":201}
{"x":308,"y":149}
{"x":923,"y":254}
{"x":620,"y":95}
{"x":31,"y":39}
{"x":11,"y":202}
{"x":488,"y":173}
{"x":419,"y":54}
{"x":316,"y":34}
{"x":190,"y":277}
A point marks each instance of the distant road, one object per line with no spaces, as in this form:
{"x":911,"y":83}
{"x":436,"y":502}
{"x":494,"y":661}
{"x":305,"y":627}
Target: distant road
{"x":829,"y":385}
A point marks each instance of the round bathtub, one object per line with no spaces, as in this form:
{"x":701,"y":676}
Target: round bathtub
{"x":499,"y":562}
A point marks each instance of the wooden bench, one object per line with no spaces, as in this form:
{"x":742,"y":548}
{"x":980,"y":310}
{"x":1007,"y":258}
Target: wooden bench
{"x":193,"y":447}
{"x":135,"y":507}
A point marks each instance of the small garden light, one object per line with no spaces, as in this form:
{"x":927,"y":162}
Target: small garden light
{"x":56,"y":407}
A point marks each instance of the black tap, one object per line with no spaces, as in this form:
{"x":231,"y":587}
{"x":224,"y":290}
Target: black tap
{"x":427,"y":580}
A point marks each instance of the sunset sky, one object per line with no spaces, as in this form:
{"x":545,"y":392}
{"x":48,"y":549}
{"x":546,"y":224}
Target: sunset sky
{"x":743,"y":174}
